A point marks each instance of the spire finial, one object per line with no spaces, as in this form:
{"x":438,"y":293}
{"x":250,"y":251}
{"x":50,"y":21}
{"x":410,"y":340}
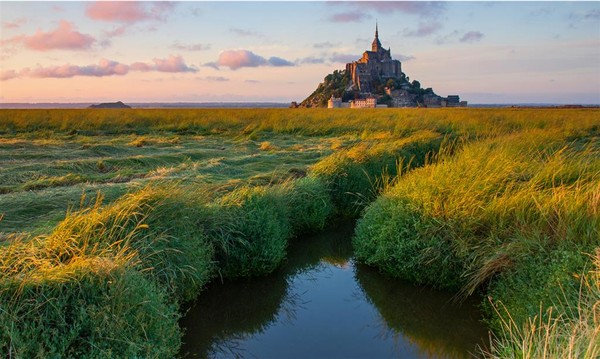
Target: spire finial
{"x":376,"y":45}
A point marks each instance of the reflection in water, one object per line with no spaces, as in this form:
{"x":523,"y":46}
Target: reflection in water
{"x":230,"y":312}
{"x":429,"y":319}
{"x":321,"y":305}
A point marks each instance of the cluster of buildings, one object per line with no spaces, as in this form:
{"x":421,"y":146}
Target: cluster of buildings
{"x":399,"y":99}
{"x":369,"y":102}
{"x":379,"y":65}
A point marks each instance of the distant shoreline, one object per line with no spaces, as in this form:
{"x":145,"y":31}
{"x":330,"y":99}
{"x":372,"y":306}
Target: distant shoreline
{"x":240,"y":105}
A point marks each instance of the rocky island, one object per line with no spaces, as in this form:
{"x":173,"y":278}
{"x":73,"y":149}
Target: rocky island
{"x":118,"y":104}
{"x":375,"y":80}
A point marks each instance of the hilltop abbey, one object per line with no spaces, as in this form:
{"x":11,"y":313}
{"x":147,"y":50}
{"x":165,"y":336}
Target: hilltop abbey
{"x":375,"y":64}
{"x":375,"y":80}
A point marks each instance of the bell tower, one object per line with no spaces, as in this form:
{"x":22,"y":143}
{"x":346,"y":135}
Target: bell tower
{"x":376,"y":45}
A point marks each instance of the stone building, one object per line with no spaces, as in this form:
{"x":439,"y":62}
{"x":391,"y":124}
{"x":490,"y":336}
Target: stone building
{"x":369,"y":102}
{"x":431,"y":100}
{"x":376,"y":64}
{"x":334,"y":102}
{"x":453,"y":101}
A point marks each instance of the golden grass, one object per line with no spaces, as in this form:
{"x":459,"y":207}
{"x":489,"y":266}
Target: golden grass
{"x":552,"y":335}
{"x":506,"y":184}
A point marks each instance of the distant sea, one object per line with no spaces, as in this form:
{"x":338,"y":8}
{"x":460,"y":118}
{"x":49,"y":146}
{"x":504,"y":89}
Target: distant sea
{"x":50,"y":105}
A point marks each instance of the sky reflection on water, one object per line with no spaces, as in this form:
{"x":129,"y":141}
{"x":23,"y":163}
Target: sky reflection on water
{"x":320,"y":304}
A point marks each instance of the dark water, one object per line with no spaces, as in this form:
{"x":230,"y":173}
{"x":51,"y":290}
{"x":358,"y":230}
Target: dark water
{"x":321,"y":304}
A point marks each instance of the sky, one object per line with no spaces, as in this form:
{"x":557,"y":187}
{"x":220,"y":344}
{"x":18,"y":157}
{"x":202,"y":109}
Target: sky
{"x":486,"y":52}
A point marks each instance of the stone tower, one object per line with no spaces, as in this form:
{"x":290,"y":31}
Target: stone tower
{"x":376,"y":64}
{"x":376,"y":45}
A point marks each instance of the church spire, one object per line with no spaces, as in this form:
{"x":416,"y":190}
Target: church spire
{"x":376,"y":45}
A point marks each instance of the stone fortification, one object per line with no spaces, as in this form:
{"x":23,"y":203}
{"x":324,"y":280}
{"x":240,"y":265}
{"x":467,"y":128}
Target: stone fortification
{"x":374,"y":65}
{"x":373,"y":80}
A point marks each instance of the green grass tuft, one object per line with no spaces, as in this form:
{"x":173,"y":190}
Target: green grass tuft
{"x":159,"y":223}
{"x":309,"y":205}
{"x":250,"y":229}
{"x":356,"y":175}
{"x":573,"y":331}
{"x":89,"y":306}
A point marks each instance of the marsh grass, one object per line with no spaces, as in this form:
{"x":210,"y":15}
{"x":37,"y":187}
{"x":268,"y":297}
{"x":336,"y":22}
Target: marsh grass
{"x":250,"y":226}
{"x":356,"y":175}
{"x":250,"y":229}
{"x":45,"y":124}
{"x":310,"y":208}
{"x":161,"y":223}
{"x":503,"y":201}
{"x":574,"y":334}
{"x":86,"y":305}
{"x":492,"y":192}
{"x":510,"y":216}
{"x":107,"y":280}
{"x":55,"y":152}
{"x":39,"y":184}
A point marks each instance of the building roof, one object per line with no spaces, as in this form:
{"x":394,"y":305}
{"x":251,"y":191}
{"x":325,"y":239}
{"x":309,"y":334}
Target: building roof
{"x":376,"y":44}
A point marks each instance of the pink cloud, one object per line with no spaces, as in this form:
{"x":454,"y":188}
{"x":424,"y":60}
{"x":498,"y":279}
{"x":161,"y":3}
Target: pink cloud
{"x":65,"y":37}
{"x":8,"y":74}
{"x":141,"y":66}
{"x":171,"y":64}
{"x":235,"y":59}
{"x":128,"y":11}
{"x":103,"y":68}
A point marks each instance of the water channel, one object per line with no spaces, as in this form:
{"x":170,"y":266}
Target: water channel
{"x":321,"y":304}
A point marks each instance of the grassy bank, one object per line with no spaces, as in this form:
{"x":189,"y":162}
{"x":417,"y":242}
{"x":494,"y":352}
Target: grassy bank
{"x":155,"y":247}
{"x":514,"y":217}
{"x":573,"y":332}
{"x":194,"y":195}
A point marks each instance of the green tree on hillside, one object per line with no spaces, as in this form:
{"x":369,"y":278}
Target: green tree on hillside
{"x":334,"y":84}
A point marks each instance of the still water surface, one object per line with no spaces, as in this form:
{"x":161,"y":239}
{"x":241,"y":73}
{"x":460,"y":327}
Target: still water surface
{"x":321,"y":304}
